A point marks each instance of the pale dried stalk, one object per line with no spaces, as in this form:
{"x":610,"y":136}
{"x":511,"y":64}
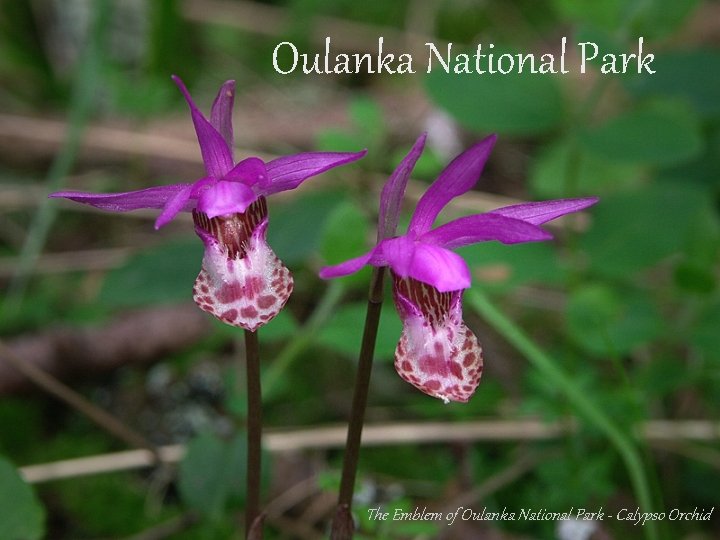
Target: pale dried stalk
{"x":70,"y":397}
{"x":654,"y":431}
{"x":269,"y":20}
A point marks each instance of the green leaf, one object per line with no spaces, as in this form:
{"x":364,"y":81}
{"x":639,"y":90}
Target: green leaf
{"x":557,"y":173}
{"x":694,"y":277}
{"x":516,"y":103}
{"x":367,"y":130}
{"x":658,"y":18}
{"x":211,"y":472}
{"x":605,"y":323}
{"x":343,"y":332}
{"x":635,"y":230}
{"x":162,"y":274}
{"x":338,"y":140}
{"x":605,"y":14}
{"x":690,"y":75}
{"x":22,"y":517}
{"x":295,"y":229}
{"x":705,"y":169}
{"x":503,"y":267}
{"x":367,"y":115}
{"x":658,"y":135}
{"x":663,"y":376}
{"x":345,"y":235}
{"x":705,"y":335}
{"x":647,"y":18}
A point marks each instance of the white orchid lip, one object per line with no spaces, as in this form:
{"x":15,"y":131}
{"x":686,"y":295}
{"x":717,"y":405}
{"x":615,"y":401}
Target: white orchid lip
{"x":437,"y":353}
{"x":242,"y":282}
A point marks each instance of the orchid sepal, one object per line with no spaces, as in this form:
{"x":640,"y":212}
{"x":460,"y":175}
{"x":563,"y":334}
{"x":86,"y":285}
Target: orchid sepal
{"x":457,"y":178}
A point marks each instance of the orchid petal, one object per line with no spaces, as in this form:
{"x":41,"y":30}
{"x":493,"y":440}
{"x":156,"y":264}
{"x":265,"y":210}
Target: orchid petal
{"x":458,"y":177}
{"x":394,"y":190}
{"x":249,"y":171}
{"x":288,"y":172}
{"x":483,"y":228}
{"x":154,"y":197}
{"x":441,"y":268}
{"x":201,"y":185}
{"x":437,"y":353}
{"x":173,"y":206}
{"x":225,"y":198}
{"x":541,"y":212}
{"x":345,"y":268}
{"x":399,"y":253}
{"x":221,"y":113}
{"x":215,"y":151}
{"x":434,"y":265}
{"x":245,"y":291}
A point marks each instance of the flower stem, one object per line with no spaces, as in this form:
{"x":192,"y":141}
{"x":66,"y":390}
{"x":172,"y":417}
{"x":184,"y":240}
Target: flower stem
{"x":342,"y":528}
{"x":580,"y":401}
{"x":254,"y":430}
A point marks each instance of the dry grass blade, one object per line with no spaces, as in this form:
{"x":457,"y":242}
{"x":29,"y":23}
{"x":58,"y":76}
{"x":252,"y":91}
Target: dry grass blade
{"x":271,"y":21}
{"x":373,"y":435}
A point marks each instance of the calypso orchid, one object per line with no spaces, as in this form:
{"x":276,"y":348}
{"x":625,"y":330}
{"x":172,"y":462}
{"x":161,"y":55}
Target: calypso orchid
{"x":242,"y":282}
{"x":437,"y":352}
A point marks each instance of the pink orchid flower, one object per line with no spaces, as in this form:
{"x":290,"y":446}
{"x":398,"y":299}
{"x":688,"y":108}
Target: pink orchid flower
{"x":242,"y":282}
{"x":437,"y":352}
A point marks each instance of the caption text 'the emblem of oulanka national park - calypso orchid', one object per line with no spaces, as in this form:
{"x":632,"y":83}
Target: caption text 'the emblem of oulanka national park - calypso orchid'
{"x":437,"y":352}
{"x":242,"y":282}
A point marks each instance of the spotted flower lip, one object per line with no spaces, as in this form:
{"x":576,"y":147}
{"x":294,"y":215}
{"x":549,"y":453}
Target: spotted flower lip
{"x":424,"y":253}
{"x":228,"y":187}
{"x":242,"y":282}
{"x":437,"y":353}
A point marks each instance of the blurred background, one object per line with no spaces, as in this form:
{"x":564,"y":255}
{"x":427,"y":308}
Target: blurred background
{"x":625,"y":301}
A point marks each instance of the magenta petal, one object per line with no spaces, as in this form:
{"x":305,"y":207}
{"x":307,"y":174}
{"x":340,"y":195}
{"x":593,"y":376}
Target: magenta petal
{"x":457,"y":178}
{"x":154,"y":197}
{"x":215,"y":151}
{"x":541,"y":212}
{"x":482,"y":228}
{"x":441,"y":268}
{"x":225,"y":198}
{"x":173,"y":206}
{"x":394,"y":190}
{"x":399,"y":253}
{"x":250,"y":171}
{"x":374,"y":257}
{"x":345,"y":268}
{"x":221,"y":113}
{"x":289,"y":172}
{"x":434,"y":265}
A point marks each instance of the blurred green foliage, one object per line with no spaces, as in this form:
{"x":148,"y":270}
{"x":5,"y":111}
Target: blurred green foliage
{"x":626,"y":302}
{"x":26,"y":521}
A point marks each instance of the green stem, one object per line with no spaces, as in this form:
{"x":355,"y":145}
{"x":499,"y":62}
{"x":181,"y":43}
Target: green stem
{"x":580,"y":401}
{"x":342,"y":528}
{"x":254,"y":430}
{"x":84,"y":91}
